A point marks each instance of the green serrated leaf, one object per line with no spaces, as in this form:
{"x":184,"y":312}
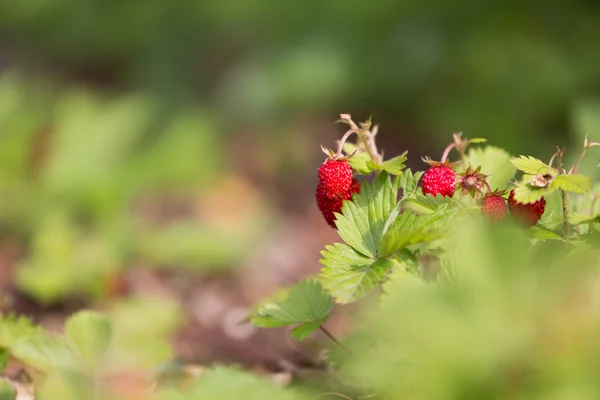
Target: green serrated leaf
{"x":364,"y":219}
{"x":307,"y":303}
{"x":524,"y":193}
{"x":303,"y":331}
{"x":409,"y":182}
{"x":576,"y":183}
{"x":350,"y":283}
{"x":410,"y":229}
{"x":341,"y":255}
{"x":361,"y":163}
{"x":45,"y":352}
{"x":426,"y":204}
{"x":494,"y":162}
{"x":531,"y":165}
{"x":91,"y":334}
{"x":395,"y":165}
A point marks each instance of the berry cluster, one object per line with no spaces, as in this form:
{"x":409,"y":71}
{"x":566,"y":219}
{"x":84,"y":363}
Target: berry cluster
{"x":440,"y":179}
{"x":336,"y":184}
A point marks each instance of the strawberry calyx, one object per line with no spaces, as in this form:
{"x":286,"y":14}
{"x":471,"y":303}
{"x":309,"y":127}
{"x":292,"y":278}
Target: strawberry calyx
{"x":472,"y":181}
{"x":433,"y":163}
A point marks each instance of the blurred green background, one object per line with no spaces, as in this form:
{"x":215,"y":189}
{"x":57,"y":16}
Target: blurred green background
{"x":184,"y":134}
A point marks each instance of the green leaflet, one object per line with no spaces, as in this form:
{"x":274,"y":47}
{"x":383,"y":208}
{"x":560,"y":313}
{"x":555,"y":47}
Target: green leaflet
{"x":531,"y":165}
{"x":307,"y":305}
{"x":352,"y":282}
{"x":576,"y":183}
{"x":364,"y":219}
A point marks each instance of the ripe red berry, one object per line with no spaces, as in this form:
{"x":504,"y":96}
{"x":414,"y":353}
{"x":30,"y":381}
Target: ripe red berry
{"x":529,"y":213}
{"x":335,"y":178}
{"x":439,"y":180}
{"x":330,"y":206}
{"x":494,"y":207}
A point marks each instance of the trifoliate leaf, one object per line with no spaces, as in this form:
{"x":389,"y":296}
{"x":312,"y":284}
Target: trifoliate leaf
{"x":91,"y":335}
{"x":576,"y":183}
{"x":531,"y":165}
{"x":494,"y":162}
{"x":13,"y":329}
{"x":364,"y":219}
{"x":307,"y":305}
{"x":45,"y":352}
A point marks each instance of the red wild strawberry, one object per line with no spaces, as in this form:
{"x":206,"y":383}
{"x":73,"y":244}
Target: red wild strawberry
{"x":439,"y":179}
{"x":330,"y":206}
{"x":530,"y":213}
{"x":494,"y":207}
{"x":335,"y":178}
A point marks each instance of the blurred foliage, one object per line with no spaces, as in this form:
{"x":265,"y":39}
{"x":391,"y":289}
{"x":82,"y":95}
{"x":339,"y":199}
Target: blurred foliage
{"x":503,"y":70}
{"x":77,"y":169}
{"x":507,"y":318}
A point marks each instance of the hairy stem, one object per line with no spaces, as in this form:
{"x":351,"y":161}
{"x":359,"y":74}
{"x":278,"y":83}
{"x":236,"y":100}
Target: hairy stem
{"x":447,"y":152}
{"x":366,"y":137}
{"x":563,"y":196}
{"x":334,"y":340}
{"x":343,"y":140}
{"x":578,"y":163}
{"x":368,"y":140}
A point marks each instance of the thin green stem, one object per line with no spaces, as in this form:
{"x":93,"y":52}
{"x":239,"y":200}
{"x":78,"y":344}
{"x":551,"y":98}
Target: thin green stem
{"x":334,"y":340}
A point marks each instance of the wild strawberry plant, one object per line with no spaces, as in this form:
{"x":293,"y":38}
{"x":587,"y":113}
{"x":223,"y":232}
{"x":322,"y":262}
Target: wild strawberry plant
{"x":469,"y":252}
{"x":480,"y":280}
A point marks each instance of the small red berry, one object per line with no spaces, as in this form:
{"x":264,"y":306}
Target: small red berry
{"x":335,"y":177}
{"x":439,"y":180}
{"x":330,"y":206}
{"x":494,"y":207}
{"x":529,"y":213}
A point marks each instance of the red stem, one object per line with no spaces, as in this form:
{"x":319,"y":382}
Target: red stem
{"x":447,"y":152}
{"x":343,"y":140}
